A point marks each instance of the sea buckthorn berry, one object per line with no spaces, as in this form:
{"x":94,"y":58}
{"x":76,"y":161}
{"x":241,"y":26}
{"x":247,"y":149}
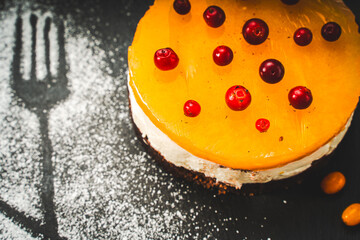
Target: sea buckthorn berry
{"x":333,"y":183}
{"x":192,"y":108}
{"x":290,"y":2}
{"x":351,"y":215}
{"x":271,"y":71}
{"x":255,"y":31}
{"x":262,"y":124}
{"x":166,"y":59}
{"x":238,"y":98}
{"x":182,"y":7}
{"x":300,"y":97}
{"x":331,"y":31}
{"x":223,"y":55}
{"x":303,"y":36}
{"x":214,"y":16}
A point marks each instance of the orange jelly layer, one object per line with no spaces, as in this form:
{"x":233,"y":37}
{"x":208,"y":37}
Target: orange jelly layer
{"x":329,"y":69}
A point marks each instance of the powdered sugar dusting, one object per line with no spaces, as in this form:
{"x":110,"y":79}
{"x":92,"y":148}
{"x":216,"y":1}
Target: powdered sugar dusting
{"x":8,"y":230}
{"x":99,"y":182}
{"x":19,"y":138}
{"x":106,"y":186}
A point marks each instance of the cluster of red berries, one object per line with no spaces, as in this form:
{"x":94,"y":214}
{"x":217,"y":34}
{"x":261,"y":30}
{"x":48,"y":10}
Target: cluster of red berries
{"x":255,"y":32}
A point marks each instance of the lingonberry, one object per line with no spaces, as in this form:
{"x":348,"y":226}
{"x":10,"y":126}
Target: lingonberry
{"x":290,"y":2}
{"x":182,"y":7}
{"x":166,"y":59}
{"x":238,"y":98}
{"x":214,"y":16}
{"x":223,"y":55}
{"x":300,"y":97}
{"x":303,"y":36}
{"x":262,"y":124}
{"x":331,"y":31}
{"x":271,"y":71}
{"x":192,"y":108}
{"x":255,"y":31}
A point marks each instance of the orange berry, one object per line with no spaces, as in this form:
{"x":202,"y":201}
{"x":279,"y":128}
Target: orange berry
{"x":351,"y":215}
{"x":333,"y":182}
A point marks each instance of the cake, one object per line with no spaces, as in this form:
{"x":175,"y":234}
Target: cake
{"x":244,"y":92}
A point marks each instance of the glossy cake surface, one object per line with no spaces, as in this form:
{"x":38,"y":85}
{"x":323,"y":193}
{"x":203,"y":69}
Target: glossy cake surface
{"x":330,"y":69}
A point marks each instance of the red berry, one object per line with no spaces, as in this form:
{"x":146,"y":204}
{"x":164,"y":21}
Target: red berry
{"x":166,"y":59}
{"x":300,"y":97}
{"x":271,"y":71}
{"x":262,"y":124}
{"x":290,"y":2}
{"x":331,"y":31}
{"x":302,"y":36}
{"x":238,"y":98}
{"x":192,"y":108}
{"x":182,"y":7}
{"x":255,"y":31}
{"x":222,"y":55}
{"x":214,"y":16}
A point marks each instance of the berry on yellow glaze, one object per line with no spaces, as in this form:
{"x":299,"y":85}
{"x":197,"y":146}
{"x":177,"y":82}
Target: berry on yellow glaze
{"x":290,"y":2}
{"x":182,"y":7}
{"x":331,"y":31}
{"x":271,"y":71}
{"x":223,"y":55}
{"x":227,"y":137}
{"x":214,"y":16}
{"x":238,"y":98}
{"x":166,"y":59}
{"x":262,"y":124}
{"x":192,"y":108}
{"x":303,"y":36}
{"x":255,"y":31}
{"x":300,"y":97}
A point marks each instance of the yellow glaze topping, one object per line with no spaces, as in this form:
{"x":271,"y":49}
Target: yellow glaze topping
{"x":227,"y":137}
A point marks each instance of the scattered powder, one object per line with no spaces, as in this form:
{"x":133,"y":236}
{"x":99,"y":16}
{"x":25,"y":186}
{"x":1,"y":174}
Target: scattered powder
{"x":106,"y":186}
{"x":19,"y":139}
{"x":99,"y":183}
{"x":8,"y":230}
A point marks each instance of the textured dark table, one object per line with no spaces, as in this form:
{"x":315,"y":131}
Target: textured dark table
{"x":71,"y":167}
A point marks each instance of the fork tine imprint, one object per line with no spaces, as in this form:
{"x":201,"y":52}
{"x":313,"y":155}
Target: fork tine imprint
{"x":15,"y":68}
{"x":45,"y":91}
{"x":33,"y":22}
{"x":62,"y":61}
{"x":47,"y":47}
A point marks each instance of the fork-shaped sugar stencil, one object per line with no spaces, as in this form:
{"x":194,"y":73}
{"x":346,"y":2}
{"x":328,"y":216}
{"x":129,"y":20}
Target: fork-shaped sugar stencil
{"x":39,"y":95}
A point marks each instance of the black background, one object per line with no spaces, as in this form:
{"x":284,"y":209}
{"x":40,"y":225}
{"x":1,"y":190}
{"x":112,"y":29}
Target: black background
{"x":302,"y":212}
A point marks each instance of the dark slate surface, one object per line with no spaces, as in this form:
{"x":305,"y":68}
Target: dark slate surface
{"x":60,"y":181}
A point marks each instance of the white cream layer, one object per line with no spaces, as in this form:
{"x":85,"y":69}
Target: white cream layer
{"x":180,"y":157}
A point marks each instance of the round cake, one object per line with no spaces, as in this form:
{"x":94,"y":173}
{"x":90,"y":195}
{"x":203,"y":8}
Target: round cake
{"x":244,"y":92}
